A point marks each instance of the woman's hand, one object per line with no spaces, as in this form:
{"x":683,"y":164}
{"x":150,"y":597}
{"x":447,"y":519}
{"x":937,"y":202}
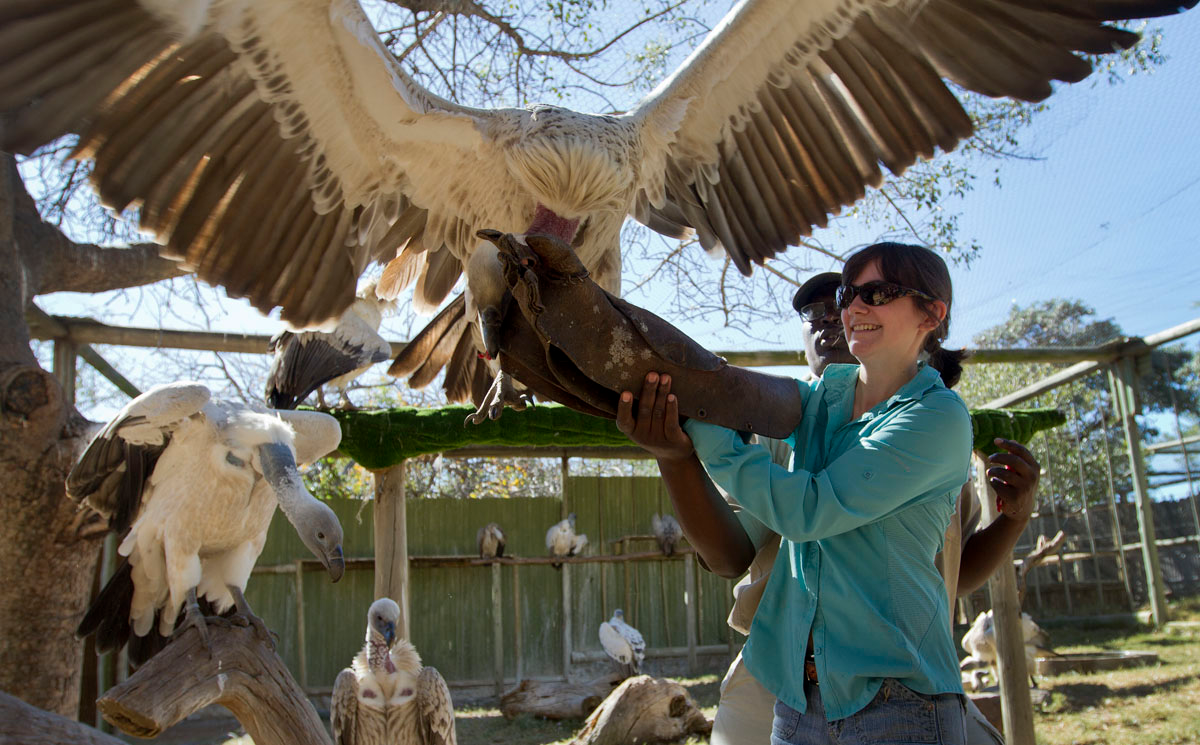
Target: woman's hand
{"x":1014,"y":475}
{"x":656,"y":426}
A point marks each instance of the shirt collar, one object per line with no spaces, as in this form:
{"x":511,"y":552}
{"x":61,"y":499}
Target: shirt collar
{"x":839,"y":381}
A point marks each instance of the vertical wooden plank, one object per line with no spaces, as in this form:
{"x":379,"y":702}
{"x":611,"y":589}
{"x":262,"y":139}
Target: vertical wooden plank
{"x":689,"y":579}
{"x":1015,"y":703}
{"x":516,"y":590}
{"x":391,"y":542}
{"x":1126,"y":389}
{"x":63,"y":366}
{"x":498,"y":629}
{"x":301,"y":644}
{"x":566,"y":628}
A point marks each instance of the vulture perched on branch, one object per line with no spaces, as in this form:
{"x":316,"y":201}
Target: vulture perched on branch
{"x":623,"y":642}
{"x":386,"y":697}
{"x":190,"y":485}
{"x":305,"y":360}
{"x":276,"y":146}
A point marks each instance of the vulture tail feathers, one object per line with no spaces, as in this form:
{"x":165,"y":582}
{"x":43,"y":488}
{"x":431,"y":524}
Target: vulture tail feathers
{"x":108,"y":616}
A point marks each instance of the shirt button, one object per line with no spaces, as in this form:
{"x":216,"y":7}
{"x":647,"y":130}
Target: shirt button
{"x":868,"y":474}
{"x":816,"y":650}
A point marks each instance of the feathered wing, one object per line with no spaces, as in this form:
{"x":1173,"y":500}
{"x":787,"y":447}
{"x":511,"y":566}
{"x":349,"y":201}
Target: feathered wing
{"x":343,"y":709}
{"x":304,"y":361}
{"x":789,"y":110}
{"x":615,"y":645}
{"x":274,"y":147}
{"x":111,"y":474}
{"x":435,"y":708}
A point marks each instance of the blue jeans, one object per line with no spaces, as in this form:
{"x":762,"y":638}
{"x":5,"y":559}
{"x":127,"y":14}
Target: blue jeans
{"x":896,"y":716}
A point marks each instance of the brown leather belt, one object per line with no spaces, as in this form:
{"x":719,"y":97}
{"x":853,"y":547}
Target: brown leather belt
{"x":810,"y":671}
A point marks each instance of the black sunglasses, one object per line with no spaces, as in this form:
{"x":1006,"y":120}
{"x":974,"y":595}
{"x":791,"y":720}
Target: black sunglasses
{"x":876,"y":292}
{"x":817,"y":311}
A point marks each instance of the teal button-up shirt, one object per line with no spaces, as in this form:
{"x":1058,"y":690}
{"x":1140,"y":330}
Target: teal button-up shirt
{"x":862,"y":513}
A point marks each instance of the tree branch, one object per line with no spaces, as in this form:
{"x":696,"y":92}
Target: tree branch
{"x":239,"y":671}
{"x":54,"y":263}
{"x":20,"y":722}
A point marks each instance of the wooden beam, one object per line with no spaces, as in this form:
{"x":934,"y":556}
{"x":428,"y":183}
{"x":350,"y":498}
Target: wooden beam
{"x":64,"y":368}
{"x":497,"y":629}
{"x":1124,"y":381}
{"x":101,"y":365}
{"x":1015,"y":703}
{"x":88,"y":331}
{"x":391,"y":542}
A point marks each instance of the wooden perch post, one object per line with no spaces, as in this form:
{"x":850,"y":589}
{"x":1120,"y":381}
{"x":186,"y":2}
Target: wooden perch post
{"x":1016,"y":705}
{"x":243,"y":674}
{"x":391,"y":542}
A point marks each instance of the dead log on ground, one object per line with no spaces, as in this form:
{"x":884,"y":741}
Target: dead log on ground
{"x":243,"y":674}
{"x":557,"y":699}
{"x":29,"y":725}
{"x":644,"y":709}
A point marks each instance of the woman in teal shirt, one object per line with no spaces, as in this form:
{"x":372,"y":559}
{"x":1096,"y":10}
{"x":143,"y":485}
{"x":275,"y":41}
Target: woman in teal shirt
{"x":852,"y":634}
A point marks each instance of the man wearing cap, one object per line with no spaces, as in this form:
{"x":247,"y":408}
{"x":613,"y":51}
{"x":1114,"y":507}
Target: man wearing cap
{"x":745,"y":712}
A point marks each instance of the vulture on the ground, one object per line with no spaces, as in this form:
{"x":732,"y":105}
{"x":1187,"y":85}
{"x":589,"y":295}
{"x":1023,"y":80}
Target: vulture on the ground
{"x":623,"y":642}
{"x":306,"y":359}
{"x":980,"y":645}
{"x":190,"y":485}
{"x":277,"y":146}
{"x":561,"y":539}
{"x":490,"y":541}
{"x":386,"y":697}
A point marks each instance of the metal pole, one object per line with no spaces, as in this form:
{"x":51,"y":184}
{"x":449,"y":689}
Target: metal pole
{"x":1087,"y":520}
{"x":1127,"y":396}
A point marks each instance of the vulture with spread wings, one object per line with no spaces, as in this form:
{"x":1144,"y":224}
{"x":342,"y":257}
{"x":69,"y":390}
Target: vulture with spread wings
{"x":276,"y":146}
{"x":190,"y":485}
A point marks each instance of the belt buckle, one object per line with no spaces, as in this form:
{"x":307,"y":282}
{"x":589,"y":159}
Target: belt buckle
{"x":810,"y":672}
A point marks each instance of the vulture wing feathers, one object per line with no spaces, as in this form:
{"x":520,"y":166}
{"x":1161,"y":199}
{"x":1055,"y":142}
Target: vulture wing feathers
{"x":111,"y":474}
{"x":759,"y":147}
{"x":436,"y":708}
{"x":276,"y":146}
{"x":343,"y":709}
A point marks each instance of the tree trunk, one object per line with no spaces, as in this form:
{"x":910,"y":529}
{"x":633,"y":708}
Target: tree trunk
{"x":644,"y":709}
{"x":47,"y":548}
{"x":556,"y":699}
{"x":21,"y":724}
{"x":239,"y":670}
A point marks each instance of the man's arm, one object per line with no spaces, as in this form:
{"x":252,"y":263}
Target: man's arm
{"x":1014,"y":475}
{"x":705,"y":517}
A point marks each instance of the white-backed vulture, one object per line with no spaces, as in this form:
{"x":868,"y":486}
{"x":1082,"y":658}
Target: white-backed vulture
{"x":190,"y":484}
{"x":490,"y":541}
{"x":386,"y":697}
{"x":980,"y":644}
{"x":561,"y":539}
{"x":277,"y":146}
{"x":667,"y":532}
{"x":623,"y":642}
{"x":306,"y":359}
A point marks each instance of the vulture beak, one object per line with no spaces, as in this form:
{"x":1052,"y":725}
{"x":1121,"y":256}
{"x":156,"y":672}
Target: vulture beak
{"x":335,"y":563}
{"x":389,"y":632}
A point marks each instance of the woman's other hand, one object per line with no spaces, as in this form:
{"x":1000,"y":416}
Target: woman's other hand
{"x":656,"y":424}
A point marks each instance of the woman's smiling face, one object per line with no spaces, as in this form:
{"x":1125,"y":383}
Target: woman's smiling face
{"x":893,"y":332}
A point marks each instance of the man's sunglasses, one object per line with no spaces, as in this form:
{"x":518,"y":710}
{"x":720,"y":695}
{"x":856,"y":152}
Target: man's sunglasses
{"x":876,"y":292}
{"x":817,"y":311}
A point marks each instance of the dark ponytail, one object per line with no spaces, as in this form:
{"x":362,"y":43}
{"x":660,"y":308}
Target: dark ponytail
{"x":921,"y":269}
{"x":948,"y":362}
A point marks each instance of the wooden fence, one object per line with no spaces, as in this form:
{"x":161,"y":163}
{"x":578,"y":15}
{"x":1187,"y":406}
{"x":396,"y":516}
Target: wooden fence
{"x":548,"y":618}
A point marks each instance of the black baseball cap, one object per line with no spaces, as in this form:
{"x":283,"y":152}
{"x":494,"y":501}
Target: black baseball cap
{"x":814,"y":285}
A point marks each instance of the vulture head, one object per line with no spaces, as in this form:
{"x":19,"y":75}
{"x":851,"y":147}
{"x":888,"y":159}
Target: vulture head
{"x":382,"y":618}
{"x":316,"y":524}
